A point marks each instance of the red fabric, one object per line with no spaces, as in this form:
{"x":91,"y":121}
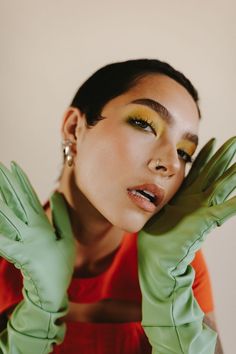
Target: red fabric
{"x":118,"y":282}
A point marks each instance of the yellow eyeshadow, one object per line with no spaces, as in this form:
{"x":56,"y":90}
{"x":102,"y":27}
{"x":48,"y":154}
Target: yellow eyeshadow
{"x":141,"y":112}
{"x":188,"y":146}
{"x":145,"y":114}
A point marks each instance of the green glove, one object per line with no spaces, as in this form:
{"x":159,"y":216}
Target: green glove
{"x":45,"y":255}
{"x":171,"y":317}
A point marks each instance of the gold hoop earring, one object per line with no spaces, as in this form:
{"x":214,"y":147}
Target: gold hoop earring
{"x":67,"y":151}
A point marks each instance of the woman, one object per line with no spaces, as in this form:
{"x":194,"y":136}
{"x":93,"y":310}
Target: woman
{"x":127,"y":136}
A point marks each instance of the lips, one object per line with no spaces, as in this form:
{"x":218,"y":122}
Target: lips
{"x":146,"y":196}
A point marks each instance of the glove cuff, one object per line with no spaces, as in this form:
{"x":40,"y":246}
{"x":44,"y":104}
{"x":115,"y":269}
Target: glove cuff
{"x":31,"y":327}
{"x":29,"y":318}
{"x":191,"y":338}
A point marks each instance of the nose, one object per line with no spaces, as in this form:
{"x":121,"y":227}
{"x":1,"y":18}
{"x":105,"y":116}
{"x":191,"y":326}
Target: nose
{"x":166,"y":162}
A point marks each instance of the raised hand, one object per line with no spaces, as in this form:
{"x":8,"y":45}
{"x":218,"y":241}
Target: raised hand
{"x":43,"y":252}
{"x":168,"y":243}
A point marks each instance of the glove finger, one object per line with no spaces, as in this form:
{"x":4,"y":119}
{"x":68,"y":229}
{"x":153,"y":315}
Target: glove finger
{"x":223,"y":187}
{"x":217,"y":165}
{"x":60,"y":216}
{"x":202,"y":158}
{"x":224,"y":211}
{"x":26,"y":186}
{"x":9,"y":223}
{"x":12,"y":194}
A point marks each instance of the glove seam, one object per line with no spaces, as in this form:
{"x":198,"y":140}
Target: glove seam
{"x":15,"y":194}
{"x":175,"y":284}
{"x":172,"y":315}
{"x":35,"y":287}
{"x":11,"y":225}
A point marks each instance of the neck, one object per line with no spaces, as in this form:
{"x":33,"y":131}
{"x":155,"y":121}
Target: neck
{"x":96,"y":236}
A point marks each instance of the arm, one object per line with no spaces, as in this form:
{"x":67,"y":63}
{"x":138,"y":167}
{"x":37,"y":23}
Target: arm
{"x":171,"y":316}
{"x":210,"y":321}
{"x":45,"y":256}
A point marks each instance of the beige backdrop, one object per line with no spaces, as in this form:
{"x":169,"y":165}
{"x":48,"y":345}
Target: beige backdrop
{"x":49,"y":47}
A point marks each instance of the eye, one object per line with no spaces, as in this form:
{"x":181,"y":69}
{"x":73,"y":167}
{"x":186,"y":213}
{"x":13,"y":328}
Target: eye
{"x":143,"y":124}
{"x":184,"y":156}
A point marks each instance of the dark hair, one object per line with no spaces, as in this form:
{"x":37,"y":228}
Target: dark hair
{"x":117,"y":78}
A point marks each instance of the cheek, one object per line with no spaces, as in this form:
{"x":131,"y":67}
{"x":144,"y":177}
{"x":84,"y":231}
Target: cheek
{"x":107,"y":155}
{"x":105,"y":167}
{"x":104,"y":159}
{"x":102,"y":164}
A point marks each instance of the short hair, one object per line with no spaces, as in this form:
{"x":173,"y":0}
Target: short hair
{"x":115,"y":79}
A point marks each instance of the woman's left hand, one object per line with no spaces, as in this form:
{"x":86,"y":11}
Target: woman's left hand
{"x":168,"y":243}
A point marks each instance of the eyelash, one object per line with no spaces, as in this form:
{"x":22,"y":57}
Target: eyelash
{"x":145,"y":123}
{"x":139,"y":122}
{"x":185,"y":156}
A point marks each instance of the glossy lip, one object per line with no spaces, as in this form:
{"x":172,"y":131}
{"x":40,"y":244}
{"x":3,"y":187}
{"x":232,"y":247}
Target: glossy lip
{"x":142,"y":202}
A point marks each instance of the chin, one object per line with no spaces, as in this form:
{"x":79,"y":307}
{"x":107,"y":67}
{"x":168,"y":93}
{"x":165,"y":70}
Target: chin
{"x":131,"y":230}
{"x":131,"y":222}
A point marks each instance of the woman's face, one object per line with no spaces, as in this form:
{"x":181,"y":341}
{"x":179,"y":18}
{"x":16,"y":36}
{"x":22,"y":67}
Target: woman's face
{"x":131,"y":163}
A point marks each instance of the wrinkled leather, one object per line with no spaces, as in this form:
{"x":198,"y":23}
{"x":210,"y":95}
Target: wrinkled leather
{"x":171,"y":317}
{"x":45,"y":255}
{"x":32,"y":330}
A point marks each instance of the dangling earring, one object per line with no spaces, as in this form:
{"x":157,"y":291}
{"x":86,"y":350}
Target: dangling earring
{"x":67,"y":151}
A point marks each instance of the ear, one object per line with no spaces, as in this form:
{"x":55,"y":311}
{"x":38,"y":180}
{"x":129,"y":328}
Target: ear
{"x":73,"y":124}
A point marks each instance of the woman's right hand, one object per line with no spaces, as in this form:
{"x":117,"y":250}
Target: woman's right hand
{"x":44,"y":253}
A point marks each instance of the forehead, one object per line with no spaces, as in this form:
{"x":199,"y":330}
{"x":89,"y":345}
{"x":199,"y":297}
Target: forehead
{"x":172,"y":95}
{"x":169,"y":93}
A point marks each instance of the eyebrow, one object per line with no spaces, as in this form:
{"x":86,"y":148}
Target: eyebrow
{"x":165,"y":114}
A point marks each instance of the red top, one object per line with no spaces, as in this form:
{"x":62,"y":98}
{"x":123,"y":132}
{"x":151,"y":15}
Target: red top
{"x":118,"y":282}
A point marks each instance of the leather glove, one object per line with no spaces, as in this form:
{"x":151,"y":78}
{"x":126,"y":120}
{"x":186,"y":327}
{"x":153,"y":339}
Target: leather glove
{"x":171,"y":317}
{"x":45,"y":255}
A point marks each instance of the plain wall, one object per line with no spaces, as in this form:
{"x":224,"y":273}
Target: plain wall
{"x":48,"y":48}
